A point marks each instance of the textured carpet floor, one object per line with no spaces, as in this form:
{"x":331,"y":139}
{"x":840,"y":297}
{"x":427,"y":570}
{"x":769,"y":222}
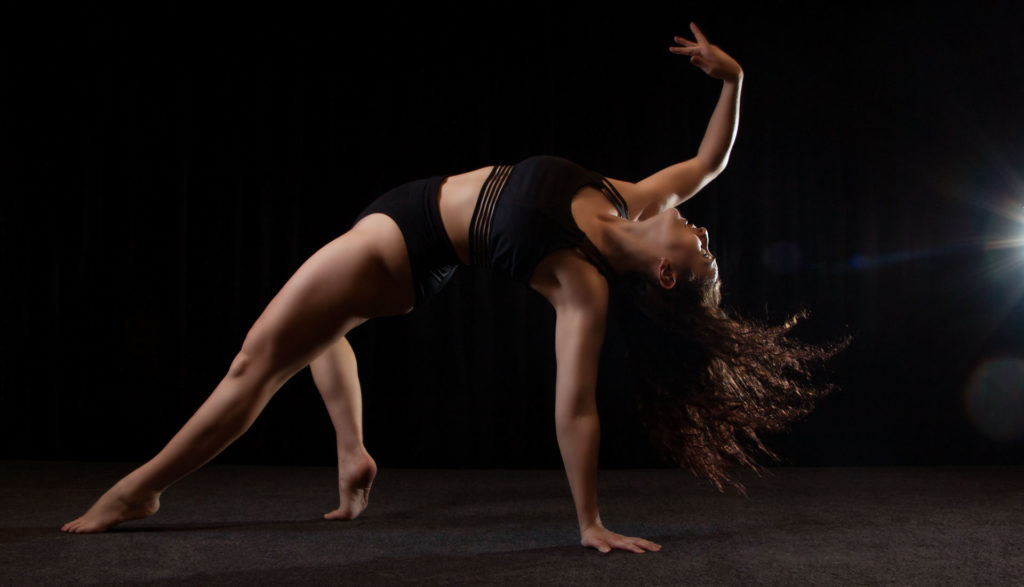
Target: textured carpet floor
{"x":234,"y":524}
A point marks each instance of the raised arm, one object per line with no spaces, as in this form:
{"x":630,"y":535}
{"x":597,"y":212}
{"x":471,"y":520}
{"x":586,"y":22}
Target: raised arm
{"x":579,"y":334}
{"x":677,"y":183}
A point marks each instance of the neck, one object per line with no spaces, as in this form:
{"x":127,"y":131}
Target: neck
{"x":622,"y":242}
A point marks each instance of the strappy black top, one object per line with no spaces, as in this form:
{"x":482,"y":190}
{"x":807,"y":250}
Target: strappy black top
{"x":524,"y":212}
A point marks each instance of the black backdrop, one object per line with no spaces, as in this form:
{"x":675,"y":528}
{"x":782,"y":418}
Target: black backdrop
{"x":167,"y":167}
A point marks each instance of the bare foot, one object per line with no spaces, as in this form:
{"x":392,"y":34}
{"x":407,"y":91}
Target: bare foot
{"x":117,"y":505}
{"x":355,"y":475}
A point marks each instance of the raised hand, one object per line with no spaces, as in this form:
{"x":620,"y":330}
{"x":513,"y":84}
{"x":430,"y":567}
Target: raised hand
{"x":604,"y":540}
{"x":709,"y":58}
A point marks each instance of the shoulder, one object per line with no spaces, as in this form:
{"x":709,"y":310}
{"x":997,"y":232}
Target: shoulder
{"x":637,"y":198}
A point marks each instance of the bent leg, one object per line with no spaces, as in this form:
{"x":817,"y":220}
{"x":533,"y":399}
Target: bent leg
{"x":355,"y":276}
{"x":336,"y":376}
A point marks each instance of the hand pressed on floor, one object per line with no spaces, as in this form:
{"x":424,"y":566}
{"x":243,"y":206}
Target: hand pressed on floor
{"x":604,"y":540}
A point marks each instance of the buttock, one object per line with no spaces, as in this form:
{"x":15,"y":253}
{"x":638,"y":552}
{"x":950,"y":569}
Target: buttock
{"x":413,"y":206}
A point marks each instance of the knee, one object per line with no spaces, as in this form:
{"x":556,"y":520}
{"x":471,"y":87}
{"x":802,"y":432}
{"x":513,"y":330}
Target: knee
{"x":257,"y":353}
{"x":254,"y":372}
{"x":255,"y":356}
{"x":262,"y":361}
{"x":242,"y":364}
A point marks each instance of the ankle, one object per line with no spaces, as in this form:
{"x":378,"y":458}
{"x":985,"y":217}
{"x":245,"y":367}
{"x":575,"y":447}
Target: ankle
{"x":137,"y":488}
{"x":352,"y":449}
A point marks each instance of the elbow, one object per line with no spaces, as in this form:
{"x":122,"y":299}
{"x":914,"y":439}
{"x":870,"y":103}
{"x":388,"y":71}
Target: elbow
{"x":713,"y":166}
{"x":717,"y":167}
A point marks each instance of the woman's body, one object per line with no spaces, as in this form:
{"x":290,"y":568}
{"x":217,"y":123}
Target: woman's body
{"x":366,"y":272}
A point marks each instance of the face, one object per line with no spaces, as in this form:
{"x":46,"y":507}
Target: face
{"x":685,"y":245}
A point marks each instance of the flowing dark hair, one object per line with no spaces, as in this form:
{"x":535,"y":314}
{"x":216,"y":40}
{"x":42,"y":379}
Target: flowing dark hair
{"x":712,"y":383}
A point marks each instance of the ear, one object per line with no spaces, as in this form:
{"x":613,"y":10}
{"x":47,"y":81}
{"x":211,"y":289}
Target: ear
{"x":666,"y":274}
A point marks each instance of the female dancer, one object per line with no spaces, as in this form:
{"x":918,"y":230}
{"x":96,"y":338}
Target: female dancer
{"x":577,"y":238}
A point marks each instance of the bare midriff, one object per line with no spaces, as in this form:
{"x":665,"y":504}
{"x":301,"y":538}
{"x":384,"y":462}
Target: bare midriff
{"x":456,"y":201}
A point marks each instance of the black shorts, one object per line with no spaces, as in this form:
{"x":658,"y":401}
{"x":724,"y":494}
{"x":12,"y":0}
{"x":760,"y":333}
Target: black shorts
{"x":413,"y":207}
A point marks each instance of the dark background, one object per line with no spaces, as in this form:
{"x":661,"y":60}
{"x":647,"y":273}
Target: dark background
{"x":167,"y":168}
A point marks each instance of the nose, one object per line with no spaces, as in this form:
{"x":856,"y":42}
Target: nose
{"x":703,"y":238}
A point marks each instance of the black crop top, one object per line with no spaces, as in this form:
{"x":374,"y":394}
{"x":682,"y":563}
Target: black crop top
{"x":524,"y":212}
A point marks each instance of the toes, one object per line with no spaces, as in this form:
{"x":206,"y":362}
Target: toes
{"x":80,"y":527}
{"x":336,"y":515}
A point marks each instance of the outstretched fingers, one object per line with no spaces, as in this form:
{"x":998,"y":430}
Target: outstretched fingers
{"x":696,"y":32}
{"x":630,"y":543}
{"x":639,"y":544}
{"x":688,"y":47}
{"x":684,"y":41}
{"x":691,"y":48}
{"x":648,"y":544}
{"x":627,"y":545}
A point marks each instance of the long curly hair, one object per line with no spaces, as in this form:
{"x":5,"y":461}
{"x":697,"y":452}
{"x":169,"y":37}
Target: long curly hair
{"x":713,"y":384}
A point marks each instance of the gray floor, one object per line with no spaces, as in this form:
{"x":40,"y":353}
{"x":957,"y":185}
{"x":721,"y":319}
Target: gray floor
{"x":232,"y":524}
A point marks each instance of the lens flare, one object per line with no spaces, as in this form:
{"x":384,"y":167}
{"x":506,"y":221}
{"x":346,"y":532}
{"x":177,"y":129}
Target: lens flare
{"x":994,"y":398}
{"x":992,"y":193}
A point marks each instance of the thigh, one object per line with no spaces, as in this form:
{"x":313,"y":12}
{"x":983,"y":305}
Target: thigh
{"x":359,"y":275}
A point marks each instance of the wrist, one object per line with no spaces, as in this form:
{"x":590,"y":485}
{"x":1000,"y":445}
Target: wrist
{"x":589,"y":524}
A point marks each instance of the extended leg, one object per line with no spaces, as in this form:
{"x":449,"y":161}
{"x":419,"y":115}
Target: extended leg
{"x":228,"y":412}
{"x":336,"y":377}
{"x":337,"y":287}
